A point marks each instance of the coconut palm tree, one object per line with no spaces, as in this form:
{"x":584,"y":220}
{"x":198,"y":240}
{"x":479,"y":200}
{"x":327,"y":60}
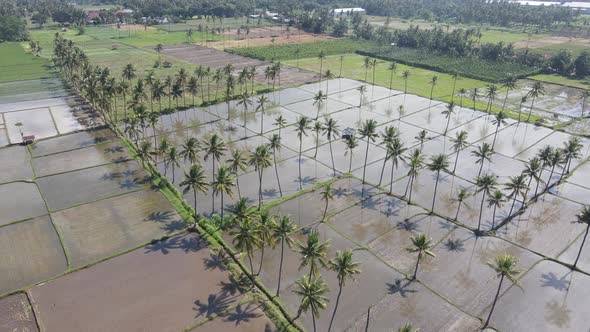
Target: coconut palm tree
{"x":448,"y":113}
{"x":262,"y":101}
{"x":321,"y":56}
{"x":583,"y":218}
{"x":496,"y":200}
{"x":491,"y":93}
{"x":389,"y":134}
{"x":280,"y":122}
{"x":275,"y":146}
{"x":190,"y":150}
{"x":162,"y":150}
{"x":192,"y":87}
{"x":341,"y":63}
{"x":459,"y":143}
{"x":473,"y":96}
{"x":437,"y":164}
{"x":433,"y":83}
{"x":327,"y":195}
{"x":531,"y":171}
{"x":318,"y":101}
{"x":246,"y":238}
{"x":484,"y":152}
{"x":421,"y":138}
{"x":406,"y":76}
{"x":392,"y":69}
{"x":351,"y":143}
{"x":416,"y":162}
{"x":538,"y":89}
{"x":462,"y":93}
{"x":485,"y":184}
{"x":260,"y":159}
{"x":421,"y":245}
{"x":509,"y":84}
{"x":159,"y":48}
{"x":172,"y":159}
{"x":301,"y":127}
{"x":283,"y":229}
{"x":523,"y":100}
{"x":244,"y":101}
{"x":362,"y":90}
{"x":395,"y":150}
{"x":317,"y":129}
{"x":313,"y":253}
{"x":462,"y":195}
{"x":332,"y":131}
{"x":368,"y":131}
{"x":266,"y":224}
{"x":556,"y":158}
{"x":518,"y":187}
{"x":545,"y":154}
{"x":128,"y":72}
{"x":571,"y":150}
{"x":123,"y":89}
{"x":373,"y":64}
{"x":144,"y":152}
{"x":366,"y":65}
{"x":236,"y":163}
{"x":215,"y":148}
{"x":499,"y":120}
{"x":328,"y":75}
{"x":223,"y":184}
{"x":505,"y":267}
{"x":345,"y":269}
{"x":312,"y":292}
{"x":194,"y":180}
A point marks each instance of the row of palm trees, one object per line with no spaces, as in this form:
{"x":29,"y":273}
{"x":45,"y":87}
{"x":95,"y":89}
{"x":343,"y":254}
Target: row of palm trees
{"x":254,"y":229}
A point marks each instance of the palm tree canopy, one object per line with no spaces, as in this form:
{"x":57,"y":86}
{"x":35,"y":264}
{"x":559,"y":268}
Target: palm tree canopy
{"x":246,"y":237}
{"x":283,"y":229}
{"x":421,"y":244}
{"x":460,"y":140}
{"x":583,"y":217}
{"x":368,"y":130}
{"x":484,"y":152}
{"x":496,"y":199}
{"x":302,"y":125}
{"x":237,"y":161}
{"x":223,"y":182}
{"x":194,"y":179}
{"x":331,"y":128}
{"x":313,"y":294}
{"x":266,"y":226}
{"x":438,"y":163}
{"x":260,"y":158}
{"x":313,"y":252}
{"x":505,"y":265}
{"x":344,"y":266}
{"x":214,"y":147}
{"x":516,"y":185}
{"x":486,"y":183}
{"x":327,"y":193}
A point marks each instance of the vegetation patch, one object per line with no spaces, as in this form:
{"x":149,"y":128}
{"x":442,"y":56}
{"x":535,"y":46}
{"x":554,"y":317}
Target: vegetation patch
{"x":304,"y":50}
{"x":17,"y":65}
{"x":485,"y":70}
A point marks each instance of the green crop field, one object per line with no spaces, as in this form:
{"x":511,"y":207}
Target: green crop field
{"x":17,"y":65}
{"x":583,"y":83}
{"x":306,"y":50}
{"x":496,"y":36}
{"x":227,"y":23}
{"x":418,"y":82}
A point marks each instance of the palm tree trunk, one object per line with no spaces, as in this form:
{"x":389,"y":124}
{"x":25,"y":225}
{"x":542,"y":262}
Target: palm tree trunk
{"x":281,"y":266}
{"x":366,"y":157}
{"x":251,"y":266}
{"x":332,"y":156}
{"x":277,"y":173}
{"x":458,"y":208}
{"x":221,"y":208}
{"x":495,"y":300}
{"x":435,"y":189}
{"x":336,"y":305}
{"x":259,"y":188}
{"x":531,"y":110}
{"x":483,"y":197}
{"x":195,"y":206}
{"x":299,"y":162}
{"x":456,"y":160}
{"x":582,"y":245}
{"x":382,"y":170}
{"x":550,"y":176}
{"x":411,"y":187}
{"x":481,"y":167}
{"x":261,"y":259}
{"x":313,"y":321}
{"x":350,"y":162}
{"x":512,"y":206}
{"x":494,"y":216}
{"x":417,"y":263}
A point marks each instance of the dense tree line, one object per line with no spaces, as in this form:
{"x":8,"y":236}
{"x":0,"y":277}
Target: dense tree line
{"x":497,"y":12}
